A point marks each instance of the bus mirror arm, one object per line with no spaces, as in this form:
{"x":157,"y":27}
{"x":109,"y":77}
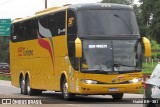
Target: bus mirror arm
{"x":78,"y":48}
{"x":147,"y":47}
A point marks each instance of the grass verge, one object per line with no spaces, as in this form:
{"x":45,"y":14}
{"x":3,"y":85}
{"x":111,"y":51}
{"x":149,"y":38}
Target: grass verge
{"x":148,"y":67}
{"x":8,"y":78}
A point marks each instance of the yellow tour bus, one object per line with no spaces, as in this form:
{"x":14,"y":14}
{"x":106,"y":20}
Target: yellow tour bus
{"x":81,"y":49}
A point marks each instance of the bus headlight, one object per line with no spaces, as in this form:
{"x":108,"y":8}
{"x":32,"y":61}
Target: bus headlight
{"x":89,"y":81}
{"x":135,"y":80}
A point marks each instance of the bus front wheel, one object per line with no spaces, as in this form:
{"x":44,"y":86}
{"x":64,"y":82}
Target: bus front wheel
{"x":117,"y":96}
{"x":66,"y":95}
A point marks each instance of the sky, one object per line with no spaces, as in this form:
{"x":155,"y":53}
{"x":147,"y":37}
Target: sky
{"x":23,"y":8}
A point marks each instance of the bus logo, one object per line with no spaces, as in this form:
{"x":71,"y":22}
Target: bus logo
{"x":70,"y":21}
{"x":113,"y":80}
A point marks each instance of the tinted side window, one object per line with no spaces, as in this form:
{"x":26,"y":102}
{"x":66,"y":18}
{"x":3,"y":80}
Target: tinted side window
{"x":71,"y":37}
{"x":53,"y":25}
{"x":71,"y":23}
{"x":28,"y":29}
{"x":44,"y":21}
{"x":47,"y":26}
{"x":60,"y":17}
{"x":20,"y":33}
{"x":34,"y":28}
{"x":24,"y":31}
{"x":43,"y":27}
{"x":14,"y":30}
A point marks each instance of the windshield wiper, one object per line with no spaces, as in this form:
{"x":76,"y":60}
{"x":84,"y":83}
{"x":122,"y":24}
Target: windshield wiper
{"x":96,"y":70}
{"x":127,"y":26}
{"x":125,"y":66}
{"x":91,"y":69}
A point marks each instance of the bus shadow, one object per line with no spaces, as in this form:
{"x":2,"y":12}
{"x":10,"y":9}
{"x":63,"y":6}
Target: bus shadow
{"x":90,"y":99}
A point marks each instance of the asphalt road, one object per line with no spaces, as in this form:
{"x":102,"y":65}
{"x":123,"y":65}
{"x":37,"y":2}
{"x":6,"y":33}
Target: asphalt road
{"x":54,"y":99}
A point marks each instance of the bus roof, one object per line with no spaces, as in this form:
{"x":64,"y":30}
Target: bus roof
{"x":77,"y":7}
{"x":41,"y":13}
{"x":100,"y":6}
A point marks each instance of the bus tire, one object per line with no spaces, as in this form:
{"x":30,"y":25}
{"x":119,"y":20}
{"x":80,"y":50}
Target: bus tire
{"x":65,"y":94}
{"x":29,"y":90}
{"x":23,"y":86}
{"x":117,"y":96}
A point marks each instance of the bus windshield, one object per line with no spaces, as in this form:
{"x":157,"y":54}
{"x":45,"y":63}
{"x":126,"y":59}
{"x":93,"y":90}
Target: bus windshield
{"x":107,"y":23}
{"x":111,"y":55}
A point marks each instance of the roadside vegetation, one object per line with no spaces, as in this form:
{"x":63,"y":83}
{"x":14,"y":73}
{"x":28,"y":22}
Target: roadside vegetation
{"x":150,"y":63}
{"x":8,"y":78}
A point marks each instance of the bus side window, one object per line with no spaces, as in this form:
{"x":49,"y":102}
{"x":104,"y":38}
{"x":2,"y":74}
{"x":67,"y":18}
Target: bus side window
{"x":24,"y":31}
{"x":43,"y":27}
{"x":28,"y":29}
{"x":13,"y":35}
{"x":21,"y":33}
{"x":71,"y":23}
{"x":16,"y":31}
{"x":53,"y":25}
{"x":71,"y":37}
{"x":60,"y":19}
{"x":34,"y":29}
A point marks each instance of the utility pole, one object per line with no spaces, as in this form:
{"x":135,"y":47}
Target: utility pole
{"x":45,"y":4}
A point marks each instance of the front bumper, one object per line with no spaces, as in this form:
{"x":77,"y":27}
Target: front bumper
{"x":99,"y":89}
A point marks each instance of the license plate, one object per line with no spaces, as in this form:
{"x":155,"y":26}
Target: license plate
{"x":113,"y":89}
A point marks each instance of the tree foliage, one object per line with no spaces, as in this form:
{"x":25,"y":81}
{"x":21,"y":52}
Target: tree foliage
{"x":138,"y":14}
{"x":4,"y":49}
{"x":150,"y":10}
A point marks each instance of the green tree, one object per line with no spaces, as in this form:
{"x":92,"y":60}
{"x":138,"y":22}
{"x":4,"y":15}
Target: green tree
{"x":155,"y":22}
{"x":150,"y":10}
{"x":138,"y":14}
{"x":4,"y":49}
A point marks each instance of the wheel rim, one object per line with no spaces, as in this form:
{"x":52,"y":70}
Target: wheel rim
{"x":65,"y":89}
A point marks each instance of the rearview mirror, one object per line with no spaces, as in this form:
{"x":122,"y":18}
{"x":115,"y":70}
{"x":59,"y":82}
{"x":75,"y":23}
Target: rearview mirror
{"x":147,"y":47}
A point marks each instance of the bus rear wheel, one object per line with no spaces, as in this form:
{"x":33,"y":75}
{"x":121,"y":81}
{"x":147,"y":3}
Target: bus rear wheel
{"x":29,"y":90}
{"x":23,"y":86}
{"x":117,"y":96}
{"x":66,"y":95}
